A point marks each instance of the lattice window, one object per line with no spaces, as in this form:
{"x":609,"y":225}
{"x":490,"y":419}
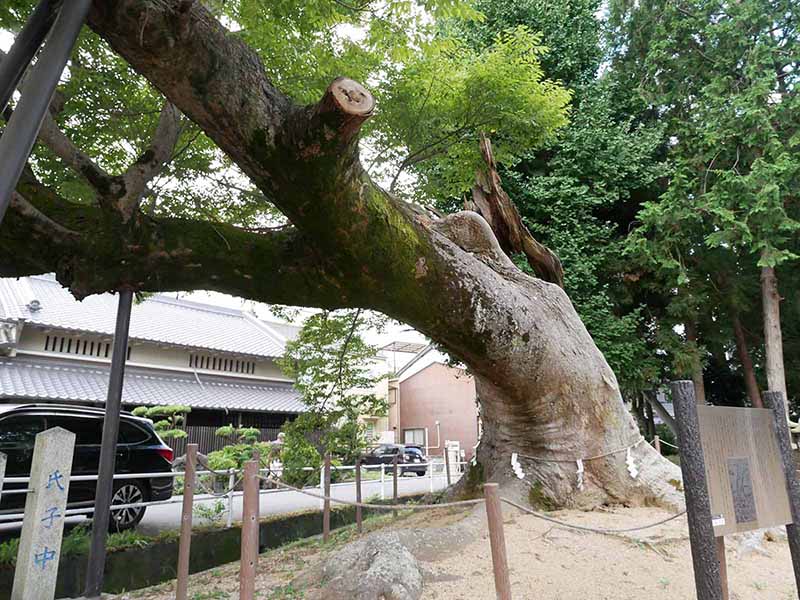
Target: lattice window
{"x":208,"y":362}
{"x":79,"y":346}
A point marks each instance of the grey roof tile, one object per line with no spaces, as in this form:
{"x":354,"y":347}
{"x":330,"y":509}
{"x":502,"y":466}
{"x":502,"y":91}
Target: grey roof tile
{"x":53,"y":380}
{"x":158,"y":319}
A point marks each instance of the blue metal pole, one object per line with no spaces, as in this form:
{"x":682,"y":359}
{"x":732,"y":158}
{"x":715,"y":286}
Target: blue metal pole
{"x":24,"y":49}
{"x":20,"y":134}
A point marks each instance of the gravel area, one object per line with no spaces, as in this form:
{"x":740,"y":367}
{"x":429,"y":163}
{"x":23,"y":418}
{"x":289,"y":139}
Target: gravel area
{"x":555,"y":563}
{"x":546,"y":561}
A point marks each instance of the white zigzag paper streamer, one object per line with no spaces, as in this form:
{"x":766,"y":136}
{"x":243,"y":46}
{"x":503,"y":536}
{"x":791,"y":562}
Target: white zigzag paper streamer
{"x":579,"y":474}
{"x":629,"y":460}
{"x":517,"y":468}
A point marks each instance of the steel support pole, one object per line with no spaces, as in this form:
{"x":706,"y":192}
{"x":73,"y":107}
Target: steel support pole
{"x":21,"y":131}
{"x":108,"y":449}
{"x":24,"y":48}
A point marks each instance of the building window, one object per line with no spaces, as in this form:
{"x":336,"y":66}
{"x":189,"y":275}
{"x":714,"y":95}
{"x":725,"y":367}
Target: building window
{"x":414,"y":436}
{"x":217,"y":363}
{"x":369,"y":431}
{"x":78,"y":346}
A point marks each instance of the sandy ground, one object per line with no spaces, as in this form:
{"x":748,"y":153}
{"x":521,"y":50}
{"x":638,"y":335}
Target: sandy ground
{"x":546,"y":562}
{"x":554,"y":563}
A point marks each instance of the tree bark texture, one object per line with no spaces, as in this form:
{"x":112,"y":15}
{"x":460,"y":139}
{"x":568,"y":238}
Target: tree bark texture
{"x":750,"y":382}
{"x":697,"y":364}
{"x":546,"y":391}
{"x":773,"y":338}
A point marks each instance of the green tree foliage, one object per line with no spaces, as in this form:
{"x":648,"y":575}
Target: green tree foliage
{"x":719,"y":77}
{"x":334,"y":371}
{"x":436,"y":106}
{"x":167,"y":420}
{"x":578,"y":191}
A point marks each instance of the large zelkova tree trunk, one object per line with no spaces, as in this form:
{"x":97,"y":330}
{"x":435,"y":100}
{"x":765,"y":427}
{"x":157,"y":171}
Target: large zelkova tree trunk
{"x":773,"y":338}
{"x":546,"y":392}
{"x":697,"y":364}
{"x":750,"y":382}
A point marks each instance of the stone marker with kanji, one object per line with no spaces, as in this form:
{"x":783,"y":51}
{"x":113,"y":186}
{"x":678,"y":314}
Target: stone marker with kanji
{"x":43,"y":526}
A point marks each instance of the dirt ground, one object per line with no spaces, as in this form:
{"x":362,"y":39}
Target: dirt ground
{"x":547,"y":562}
{"x":553,"y":563}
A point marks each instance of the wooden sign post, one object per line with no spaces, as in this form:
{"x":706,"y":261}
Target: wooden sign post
{"x":737,"y":477}
{"x":707,"y":578}
{"x":774,"y":402}
{"x":43,"y":525}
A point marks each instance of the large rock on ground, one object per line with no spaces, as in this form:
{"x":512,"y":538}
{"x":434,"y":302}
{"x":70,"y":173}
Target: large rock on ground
{"x":378,"y":567}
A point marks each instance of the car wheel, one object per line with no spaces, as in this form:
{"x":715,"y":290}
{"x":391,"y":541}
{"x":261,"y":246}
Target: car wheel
{"x":421,"y":473}
{"x":127,"y":492}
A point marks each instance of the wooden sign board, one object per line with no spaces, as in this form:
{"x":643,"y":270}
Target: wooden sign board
{"x":746,"y":482}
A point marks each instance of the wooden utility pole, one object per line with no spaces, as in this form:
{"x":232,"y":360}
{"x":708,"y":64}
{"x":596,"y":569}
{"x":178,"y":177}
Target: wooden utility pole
{"x":497,"y":539}
{"x":189,"y":471}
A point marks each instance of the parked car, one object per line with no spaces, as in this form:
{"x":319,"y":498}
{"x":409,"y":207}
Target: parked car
{"x":385,"y":455}
{"x":139,"y":450}
{"x":412,"y":455}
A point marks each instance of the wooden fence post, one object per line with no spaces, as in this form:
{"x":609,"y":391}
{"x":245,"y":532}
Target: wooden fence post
{"x":43,"y":526}
{"x":189,"y":481}
{"x":705,"y":558}
{"x":247,"y":567}
{"x":657,"y":443}
{"x":394,"y":481}
{"x":326,"y":505}
{"x":358,"y":495}
{"x":774,"y":401}
{"x":497,"y":539}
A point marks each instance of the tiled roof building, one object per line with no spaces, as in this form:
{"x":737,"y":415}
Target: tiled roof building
{"x":219,"y":361}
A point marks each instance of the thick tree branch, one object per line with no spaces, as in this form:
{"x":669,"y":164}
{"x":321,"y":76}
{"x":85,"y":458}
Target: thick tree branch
{"x":152,"y":160}
{"x":40,"y":221}
{"x":42,"y":233}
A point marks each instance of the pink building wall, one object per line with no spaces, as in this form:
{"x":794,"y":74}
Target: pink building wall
{"x":438,"y":393}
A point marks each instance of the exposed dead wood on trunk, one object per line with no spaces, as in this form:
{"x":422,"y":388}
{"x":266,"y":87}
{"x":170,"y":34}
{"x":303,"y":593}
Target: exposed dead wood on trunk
{"x":490,"y":200}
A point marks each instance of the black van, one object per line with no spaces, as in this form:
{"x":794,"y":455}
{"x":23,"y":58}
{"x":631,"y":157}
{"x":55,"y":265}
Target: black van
{"x":139,"y":450}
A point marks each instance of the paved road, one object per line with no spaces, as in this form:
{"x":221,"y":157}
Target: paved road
{"x":168,"y":516}
{"x":160,"y":518}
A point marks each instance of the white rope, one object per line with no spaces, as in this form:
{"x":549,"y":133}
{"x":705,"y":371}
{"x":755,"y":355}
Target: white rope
{"x":590,"y":529}
{"x":584,"y":459}
{"x":375,"y":506}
